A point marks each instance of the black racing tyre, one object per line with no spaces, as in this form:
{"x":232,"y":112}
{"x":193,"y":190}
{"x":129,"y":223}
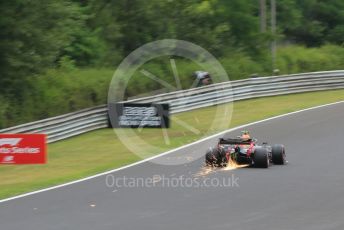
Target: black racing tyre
{"x":278,"y":154}
{"x":211,"y":156}
{"x":223,"y":160}
{"x":261,"y":158}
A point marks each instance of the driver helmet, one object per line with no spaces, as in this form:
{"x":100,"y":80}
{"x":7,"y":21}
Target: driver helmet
{"x":245,"y":135}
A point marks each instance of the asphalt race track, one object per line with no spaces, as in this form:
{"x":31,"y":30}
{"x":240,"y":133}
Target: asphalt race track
{"x":307,"y":193}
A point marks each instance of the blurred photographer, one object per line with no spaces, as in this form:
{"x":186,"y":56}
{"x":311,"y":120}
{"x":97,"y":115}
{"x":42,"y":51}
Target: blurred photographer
{"x":202,"y":78}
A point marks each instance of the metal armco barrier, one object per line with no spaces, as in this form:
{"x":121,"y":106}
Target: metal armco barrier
{"x":72,"y":124}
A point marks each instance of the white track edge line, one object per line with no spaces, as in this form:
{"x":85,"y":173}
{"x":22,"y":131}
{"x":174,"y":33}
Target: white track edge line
{"x":165,"y":153}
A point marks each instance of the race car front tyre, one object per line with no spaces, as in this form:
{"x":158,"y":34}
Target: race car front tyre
{"x":261,"y":158}
{"x":278,"y":154}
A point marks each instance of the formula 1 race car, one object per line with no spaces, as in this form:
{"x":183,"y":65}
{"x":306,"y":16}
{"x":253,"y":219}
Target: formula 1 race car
{"x":245,"y":151}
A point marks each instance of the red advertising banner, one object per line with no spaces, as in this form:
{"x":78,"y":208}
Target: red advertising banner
{"x":23,"y":149}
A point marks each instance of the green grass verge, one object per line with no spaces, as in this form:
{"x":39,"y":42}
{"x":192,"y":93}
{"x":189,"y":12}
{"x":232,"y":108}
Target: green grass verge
{"x":101,"y":150}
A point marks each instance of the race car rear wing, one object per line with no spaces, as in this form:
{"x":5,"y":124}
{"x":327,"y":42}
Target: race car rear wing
{"x":234,"y":141}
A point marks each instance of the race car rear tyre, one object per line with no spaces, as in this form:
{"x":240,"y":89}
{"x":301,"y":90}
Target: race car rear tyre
{"x":278,"y":154}
{"x":211,"y":156}
{"x":261,"y":158}
{"x":223,"y":158}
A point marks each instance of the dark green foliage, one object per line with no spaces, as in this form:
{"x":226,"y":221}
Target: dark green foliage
{"x":51,"y":51}
{"x":32,"y":35}
{"x":315,"y":22}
